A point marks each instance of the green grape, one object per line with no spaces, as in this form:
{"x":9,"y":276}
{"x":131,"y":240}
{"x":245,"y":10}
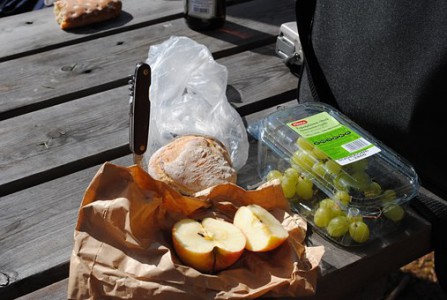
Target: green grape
{"x":303,"y":159}
{"x":394,"y":212}
{"x":319,"y":169}
{"x":288,"y":185}
{"x":338,"y":226}
{"x":304,"y":144}
{"x":342,"y":182}
{"x":304,"y":188}
{"x":322,"y":217}
{"x":388,"y":196}
{"x":328,"y":203}
{"x":354,"y":215}
{"x":292,"y":176}
{"x":332,"y":167}
{"x":343,"y":197}
{"x":319,"y":154}
{"x":333,"y":207}
{"x":373,"y":190}
{"x":274,"y":174}
{"x":292,"y":172}
{"x":360,"y":181}
{"x":358,"y":166}
{"x":336,"y":211}
{"x":359,"y":231}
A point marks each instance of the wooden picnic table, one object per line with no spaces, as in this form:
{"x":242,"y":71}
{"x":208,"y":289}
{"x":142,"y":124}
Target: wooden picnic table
{"x":64,"y":112}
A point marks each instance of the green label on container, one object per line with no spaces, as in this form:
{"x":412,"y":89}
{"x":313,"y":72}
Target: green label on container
{"x":338,"y":141}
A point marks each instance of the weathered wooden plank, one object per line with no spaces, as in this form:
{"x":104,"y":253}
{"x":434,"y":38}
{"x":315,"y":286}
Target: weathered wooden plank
{"x":55,"y":291}
{"x":52,"y":248}
{"x":53,"y":138}
{"x":36,"y":224}
{"x":38,"y":31}
{"x":63,"y":74}
{"x":36,"y":231}
{"x":36,"y":227}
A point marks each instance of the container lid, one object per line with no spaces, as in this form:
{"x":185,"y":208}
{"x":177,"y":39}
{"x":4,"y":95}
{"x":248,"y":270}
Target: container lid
{"x":338,"y":155}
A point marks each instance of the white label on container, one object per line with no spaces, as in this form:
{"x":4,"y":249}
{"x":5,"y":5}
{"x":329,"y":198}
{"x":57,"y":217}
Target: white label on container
{"x":202,"y":8}
{"x":338,"y":141}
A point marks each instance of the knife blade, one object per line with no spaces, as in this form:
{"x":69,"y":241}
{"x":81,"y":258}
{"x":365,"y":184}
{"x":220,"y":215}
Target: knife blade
{"x":139,"y":111}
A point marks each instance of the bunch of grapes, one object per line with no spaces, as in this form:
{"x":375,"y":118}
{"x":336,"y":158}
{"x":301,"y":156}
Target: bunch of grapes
{"x":293,"y":183}
{"x":339,"y":215}
{"x":337,"y":223}
{"x":347,"y":182}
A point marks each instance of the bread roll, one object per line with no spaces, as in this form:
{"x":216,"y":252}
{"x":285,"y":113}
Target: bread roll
{"x":192,"y":163}
{"x":76,"y":13}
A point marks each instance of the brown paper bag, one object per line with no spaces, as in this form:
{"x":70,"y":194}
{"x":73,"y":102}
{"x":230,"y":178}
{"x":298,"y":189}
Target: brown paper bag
{"x":123,"y":249}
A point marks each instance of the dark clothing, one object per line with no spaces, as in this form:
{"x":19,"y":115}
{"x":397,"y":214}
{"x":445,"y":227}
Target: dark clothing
{"x":384,"y":64}
{"x":14,"y":7}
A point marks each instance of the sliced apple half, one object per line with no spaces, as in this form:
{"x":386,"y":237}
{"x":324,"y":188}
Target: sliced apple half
{"x":208,"y":246}
{"x":262,"y":230}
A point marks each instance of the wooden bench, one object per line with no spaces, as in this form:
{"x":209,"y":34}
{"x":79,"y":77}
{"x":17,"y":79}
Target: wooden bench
{"x":64,"y":112}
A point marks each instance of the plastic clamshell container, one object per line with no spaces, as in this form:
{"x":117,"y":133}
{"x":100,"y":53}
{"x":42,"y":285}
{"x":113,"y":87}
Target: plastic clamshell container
{"x":325,"y":160}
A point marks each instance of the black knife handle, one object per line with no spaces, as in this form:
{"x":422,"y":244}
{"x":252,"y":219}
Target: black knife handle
{"x":140,"y":109}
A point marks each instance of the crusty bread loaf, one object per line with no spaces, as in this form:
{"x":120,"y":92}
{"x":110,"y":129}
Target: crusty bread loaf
{"x":192,"y":163}
{"x":76,"y":13}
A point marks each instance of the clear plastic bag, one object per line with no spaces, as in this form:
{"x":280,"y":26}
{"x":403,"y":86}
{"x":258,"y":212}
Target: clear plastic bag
{"x":188,"y":97}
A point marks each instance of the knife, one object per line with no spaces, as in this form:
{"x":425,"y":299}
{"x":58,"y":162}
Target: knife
{"x":139,"y":113}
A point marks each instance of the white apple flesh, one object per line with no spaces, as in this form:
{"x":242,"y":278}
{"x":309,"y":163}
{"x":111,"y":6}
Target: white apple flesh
{"x":208,"y":246}
{"x":262,"y":230}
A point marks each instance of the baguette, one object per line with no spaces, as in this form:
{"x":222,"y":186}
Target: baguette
{"x":77,"y":13}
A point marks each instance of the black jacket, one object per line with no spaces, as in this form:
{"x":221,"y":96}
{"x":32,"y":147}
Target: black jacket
{"x":383,"y":63}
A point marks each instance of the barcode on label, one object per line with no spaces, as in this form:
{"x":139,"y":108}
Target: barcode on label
{"x":200,"y":10}
{"x":356,"y":145}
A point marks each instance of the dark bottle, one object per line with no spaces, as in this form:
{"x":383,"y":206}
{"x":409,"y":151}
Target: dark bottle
{"x":205,"y":14}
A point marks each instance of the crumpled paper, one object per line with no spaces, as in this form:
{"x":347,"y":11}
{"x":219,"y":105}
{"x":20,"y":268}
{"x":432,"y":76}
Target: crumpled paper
{"x":123,"y":249}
